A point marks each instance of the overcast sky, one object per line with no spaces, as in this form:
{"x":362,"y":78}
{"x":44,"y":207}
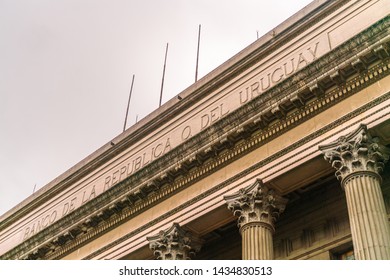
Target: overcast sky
{"x":66,"y":67}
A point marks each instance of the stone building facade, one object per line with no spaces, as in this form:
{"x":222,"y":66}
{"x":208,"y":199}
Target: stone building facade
{"x":279,"y":153}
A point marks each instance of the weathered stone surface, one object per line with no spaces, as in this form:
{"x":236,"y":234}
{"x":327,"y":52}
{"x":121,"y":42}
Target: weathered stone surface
{"x":174,"y":244}
{"x":256,"y":203}
{"x":356,"y":152}
{"x":358,"y":159}
{"x":257,"y":208}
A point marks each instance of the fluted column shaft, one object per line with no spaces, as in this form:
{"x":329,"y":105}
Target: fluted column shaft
{"x":257,"y":242}
{"x":257,"y":208}
{"x":368,"y":218}
{"x":359,"y":158}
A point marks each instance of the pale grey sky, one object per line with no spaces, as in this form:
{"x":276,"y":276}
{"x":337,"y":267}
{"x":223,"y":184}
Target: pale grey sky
{"x":66,"y":67}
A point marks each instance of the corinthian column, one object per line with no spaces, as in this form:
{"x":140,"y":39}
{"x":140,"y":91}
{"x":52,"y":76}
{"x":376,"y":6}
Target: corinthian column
{"x":358,"y":159}
{"x":174,"y":244}
{"x":257,"y":208}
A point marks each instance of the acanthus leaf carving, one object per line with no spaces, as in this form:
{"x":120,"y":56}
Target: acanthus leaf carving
{"x":256,"y":203}
{"x":174,"y":244}
{"x":356,"y":152}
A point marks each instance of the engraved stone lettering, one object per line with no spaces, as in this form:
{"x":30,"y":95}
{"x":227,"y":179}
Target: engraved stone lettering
{"x":205,"y":120}
{"x":107,"y":183}
{"x":186,"y":133}
{"x":289,"y":67}
{"x":115,"y":177}
{"x":255,"y":89}
{"x":129,"y":170}
{"x":146,"y":159}
{"x":123,"y":172}
{"x":53,"y":217}
{"x":302,"y":62}
{"x":167,"y":146}
{"x":69,"y":206}
{"x":65,"y":209}
{"x":93,"y":193}
{"x":313,"y":52}
{"x":275,"y":74}
{"x":40,"y":224}
{"x":158,"y":150}
{"x":244,"y":96}
{"x":263,"y":88}
{"x":26,"y":233}
{"x":278,"y":72}
{"x":214,"y":115}
{"x":137,"y":163}
{"x":72,"y":205}
{"x":87,"y":196}
{"x":112,"y":174}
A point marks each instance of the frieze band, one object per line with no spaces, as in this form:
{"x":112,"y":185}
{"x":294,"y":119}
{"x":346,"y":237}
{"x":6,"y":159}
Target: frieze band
{"x":180,"y":164}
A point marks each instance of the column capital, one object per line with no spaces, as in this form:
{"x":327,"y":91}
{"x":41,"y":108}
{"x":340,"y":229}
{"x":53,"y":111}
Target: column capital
{"x":356,"y":152}
{"x":174,"y":244}
{"x":256,"y":204}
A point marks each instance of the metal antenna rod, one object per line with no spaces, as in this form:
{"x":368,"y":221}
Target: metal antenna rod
{"x":128,"y":103}
{"x":197,"y":56}
{"x":163,"y":76}
{"x":34,"y":188}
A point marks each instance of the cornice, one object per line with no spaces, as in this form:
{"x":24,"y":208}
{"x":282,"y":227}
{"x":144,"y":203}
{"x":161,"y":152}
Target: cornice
{"x":262,"y":47}
{"x":225,"y":141}
{"x":246,"y":172}
{"x":120,"y":203}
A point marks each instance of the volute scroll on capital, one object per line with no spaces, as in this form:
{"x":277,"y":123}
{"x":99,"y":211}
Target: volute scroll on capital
{"x":174,"y":244}
{"x":256,"y":204}
{"x":357,"y":152}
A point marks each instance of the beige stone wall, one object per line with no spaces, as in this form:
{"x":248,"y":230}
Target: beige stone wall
{"x":271,"y":154}
{"x":269,"y":172}
{"x":313,"y":225}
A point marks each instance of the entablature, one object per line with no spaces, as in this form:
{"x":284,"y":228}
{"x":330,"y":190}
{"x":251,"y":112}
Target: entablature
{"x":334,"y":76}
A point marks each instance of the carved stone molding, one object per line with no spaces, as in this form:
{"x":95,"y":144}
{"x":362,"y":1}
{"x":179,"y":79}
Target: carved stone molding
{"x":174,"y":244}
{"x":256,"y":204}
{"x":119,"y":195}
{"x":257,"y":208}
{"x":359,"y":158}
{"x":356,"y":152}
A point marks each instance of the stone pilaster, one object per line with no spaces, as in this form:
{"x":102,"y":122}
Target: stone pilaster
{"x":174,"y":244}
{"x":358,"y":159}
{"x":257,"y":208}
